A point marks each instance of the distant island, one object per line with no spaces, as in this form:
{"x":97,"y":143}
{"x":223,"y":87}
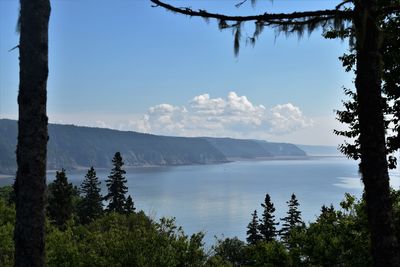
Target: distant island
{"x":73,"y":147}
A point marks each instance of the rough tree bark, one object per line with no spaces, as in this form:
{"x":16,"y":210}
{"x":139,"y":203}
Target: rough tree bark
{"x":373,"y":166}
{"x":30,"y":184}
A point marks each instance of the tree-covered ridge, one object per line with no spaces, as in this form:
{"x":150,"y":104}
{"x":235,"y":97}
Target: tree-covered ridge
{"x":250,"y":149}
{"x":74,"y":146}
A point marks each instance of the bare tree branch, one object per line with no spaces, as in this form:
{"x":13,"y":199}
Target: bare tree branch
{"x":270,"y":18}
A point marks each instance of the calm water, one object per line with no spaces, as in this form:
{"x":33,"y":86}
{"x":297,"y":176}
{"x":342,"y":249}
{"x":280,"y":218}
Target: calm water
{"x":219,"y":199}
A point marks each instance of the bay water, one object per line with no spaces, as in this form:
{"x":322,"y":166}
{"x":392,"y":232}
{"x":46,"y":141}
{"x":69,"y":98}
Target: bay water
{"x":219,"y":199}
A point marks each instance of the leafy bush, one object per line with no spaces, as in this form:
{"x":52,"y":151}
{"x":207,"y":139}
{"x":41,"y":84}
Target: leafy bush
{"x":7,"y":220}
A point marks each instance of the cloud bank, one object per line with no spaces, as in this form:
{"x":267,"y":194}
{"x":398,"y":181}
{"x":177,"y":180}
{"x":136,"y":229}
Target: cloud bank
{"x":234,"y":116}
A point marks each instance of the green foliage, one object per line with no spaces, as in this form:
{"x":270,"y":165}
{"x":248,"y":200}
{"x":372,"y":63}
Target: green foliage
{"x":119,"y":240}
{"x":217,"y":261}
{"x":293,"y":231}
{"x":90,"y":207}
{"x":6,"y":245}
{"x":116,"y":186}
{"x":7,"y":194}
{"x":253,"y":234}
{"x":7,"y":221}
{"x":62,"y":248}
{"x":230,"y":250}
{"x":338,"y":237}
{"x":391,"y":82}
{"x":60,"y":199}
{"x":268,"y":254}
{"x":7,"y":212}
{"x":390,"y":26}
{"x":295,"y":243}
{"x":395,"y":196}
{"x":267,"y":222}
{"x":129,"y":206}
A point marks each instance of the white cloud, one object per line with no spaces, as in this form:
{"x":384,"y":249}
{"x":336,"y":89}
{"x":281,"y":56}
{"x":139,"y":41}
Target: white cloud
{"x":287,"y":118}
{"x":233,"y":116}
{"x":203,"y":104}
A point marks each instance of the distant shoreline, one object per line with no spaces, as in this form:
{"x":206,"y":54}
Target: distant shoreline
{"x":285,"y":158}
{"x":81,"y":168}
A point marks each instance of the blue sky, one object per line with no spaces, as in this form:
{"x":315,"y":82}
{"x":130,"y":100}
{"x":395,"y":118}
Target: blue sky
{"x":126,"y":65}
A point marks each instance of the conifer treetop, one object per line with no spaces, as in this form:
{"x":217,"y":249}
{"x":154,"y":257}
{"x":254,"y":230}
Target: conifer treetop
{"x":253,"y":234}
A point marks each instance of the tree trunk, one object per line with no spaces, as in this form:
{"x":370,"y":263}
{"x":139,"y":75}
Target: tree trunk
{"x":373,"y":166}
{"x":30,"y":184}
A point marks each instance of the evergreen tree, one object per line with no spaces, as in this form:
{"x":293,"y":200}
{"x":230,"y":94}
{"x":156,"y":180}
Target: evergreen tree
{"x":253,"y":234}
{"x":267,"y":222}
{"x":60,"y":198}
{"x":328,"y":214}
{"x":91,"y":206}
{"x":116,"y":186}
{"x":129,"y":206}
{"x":293,"y":218}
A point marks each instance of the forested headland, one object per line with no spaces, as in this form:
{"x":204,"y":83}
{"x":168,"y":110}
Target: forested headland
{"x":73,"y":146}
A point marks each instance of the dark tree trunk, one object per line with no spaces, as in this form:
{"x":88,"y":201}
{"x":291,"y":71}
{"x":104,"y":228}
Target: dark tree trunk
{"x":30,"y":184}
{"x":373,"y":166}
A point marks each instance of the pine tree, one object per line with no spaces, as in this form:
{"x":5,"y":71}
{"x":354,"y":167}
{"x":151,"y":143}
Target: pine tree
{"x":292,"y":220}
{"x":91,"y":206}
{"x":60,"y":198}
{"x":253,"y":235}
{"x":116,"y":186}
{"x":267,"y":222}
{"x":129,"y":206}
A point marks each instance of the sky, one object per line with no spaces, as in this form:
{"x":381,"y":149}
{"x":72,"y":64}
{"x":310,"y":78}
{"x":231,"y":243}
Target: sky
{"x":126,"y":65}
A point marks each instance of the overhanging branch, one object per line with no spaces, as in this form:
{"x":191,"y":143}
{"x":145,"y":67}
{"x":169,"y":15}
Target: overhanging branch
{"x":270,"y":18}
